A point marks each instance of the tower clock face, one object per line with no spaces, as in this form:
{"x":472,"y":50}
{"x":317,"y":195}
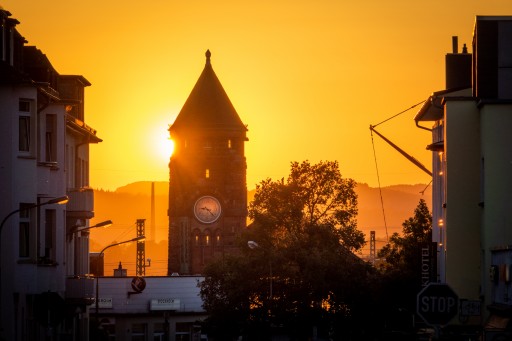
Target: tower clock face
{"x":207,"y":209}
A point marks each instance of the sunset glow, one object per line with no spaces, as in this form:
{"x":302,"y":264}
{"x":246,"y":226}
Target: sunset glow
{"x":307,"y":77}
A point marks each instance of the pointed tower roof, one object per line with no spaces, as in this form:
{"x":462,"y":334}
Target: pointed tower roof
{"x":208,"y":106}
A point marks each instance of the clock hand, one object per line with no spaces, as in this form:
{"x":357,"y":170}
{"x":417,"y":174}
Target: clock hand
{"x":207,"y":209}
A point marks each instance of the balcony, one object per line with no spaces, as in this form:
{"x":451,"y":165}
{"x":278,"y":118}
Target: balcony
{"x":80,"y":290}
{"x":81,"y":203}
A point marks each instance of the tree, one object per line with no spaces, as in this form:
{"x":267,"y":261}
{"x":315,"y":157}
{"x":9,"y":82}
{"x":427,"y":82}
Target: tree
{"x":402,"y":252}
{"x":303,"y":274}
{"x":402,"y":270}
{"x":314,"y":195}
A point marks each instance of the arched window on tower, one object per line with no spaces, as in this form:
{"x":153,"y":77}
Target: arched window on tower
{"x":217,"y":238}
{"x":207,"y":238}
{"x":196,"y":237}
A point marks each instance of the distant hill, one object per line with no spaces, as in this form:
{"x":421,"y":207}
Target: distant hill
{"x":131,"y":202}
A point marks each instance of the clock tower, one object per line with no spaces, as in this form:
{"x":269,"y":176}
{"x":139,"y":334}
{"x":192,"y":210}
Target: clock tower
{"x":207,"y":184}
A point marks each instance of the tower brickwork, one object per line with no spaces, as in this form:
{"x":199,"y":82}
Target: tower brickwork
{"x":207,"y":184}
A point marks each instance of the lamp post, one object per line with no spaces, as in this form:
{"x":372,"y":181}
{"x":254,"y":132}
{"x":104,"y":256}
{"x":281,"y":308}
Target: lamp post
{"x":78,"y":250}
{"x":59,"y":200}
{"x":78,"y":228}
{"x":136,"y":239}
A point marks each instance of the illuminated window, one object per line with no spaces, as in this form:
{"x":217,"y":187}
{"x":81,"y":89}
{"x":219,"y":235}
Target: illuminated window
{"x":207,"y":240}
{"x":196,"y":239}
{"x":207,"y":173}
{"x":229,"y":144}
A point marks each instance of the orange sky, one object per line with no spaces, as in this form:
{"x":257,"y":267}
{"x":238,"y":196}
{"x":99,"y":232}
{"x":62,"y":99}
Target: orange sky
{"x":307,"y":77}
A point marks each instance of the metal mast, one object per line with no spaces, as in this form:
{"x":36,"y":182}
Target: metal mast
{"x":141,"y":249}
{"x":372,"y":247}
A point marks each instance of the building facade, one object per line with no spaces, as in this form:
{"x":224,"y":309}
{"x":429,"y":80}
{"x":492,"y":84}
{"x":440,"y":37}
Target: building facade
{"x":168,"y":308}
{"x":207,"y":186}
{"x":44,"y":183}
{"x":472,"y":193}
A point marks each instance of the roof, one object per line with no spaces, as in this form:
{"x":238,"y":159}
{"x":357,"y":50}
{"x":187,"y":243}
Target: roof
{"x":208,"y":106}
{"x":433,"y":110}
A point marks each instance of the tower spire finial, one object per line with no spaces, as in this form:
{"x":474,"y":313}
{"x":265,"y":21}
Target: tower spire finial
{"x":208,"y":54}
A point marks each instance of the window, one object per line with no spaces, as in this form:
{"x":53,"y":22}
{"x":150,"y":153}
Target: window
{"x":229,"y":144}
{"x":159,"y":331}
{"x":24,"y":134}
{"x":207,"y":239}
{"x":139,"y":331}
{"x":207,"y":173}
{"x":24,"y":105}
{"x":50,"y":230}
{"x":25,"y":129}
{"x":51,"y":138}
{"x":24,"y":231}
{"x":208,"y":144}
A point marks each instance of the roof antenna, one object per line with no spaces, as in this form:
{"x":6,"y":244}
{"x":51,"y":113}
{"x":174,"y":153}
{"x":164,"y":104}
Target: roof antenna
{"x":208,"y":54}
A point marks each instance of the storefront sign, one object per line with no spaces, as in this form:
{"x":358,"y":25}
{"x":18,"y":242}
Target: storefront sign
{"x":105,"y":303}
{"x":165,"y":304}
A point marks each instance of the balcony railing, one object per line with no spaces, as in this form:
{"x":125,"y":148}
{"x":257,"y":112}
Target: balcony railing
{"x":80,"y":290}
{"x":81,"y":203}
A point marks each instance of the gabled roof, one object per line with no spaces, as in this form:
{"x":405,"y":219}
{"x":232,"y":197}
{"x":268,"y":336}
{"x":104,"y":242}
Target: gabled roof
{"x":208,"y":106}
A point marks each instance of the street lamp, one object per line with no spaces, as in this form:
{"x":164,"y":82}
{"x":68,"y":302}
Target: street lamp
{"x":79,"y":228}
{"x":79,"y":250}
{"x":136,"y":239}
{"x":59,"y":200}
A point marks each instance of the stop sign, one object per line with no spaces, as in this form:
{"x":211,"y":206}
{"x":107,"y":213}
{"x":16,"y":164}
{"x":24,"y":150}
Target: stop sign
{"x":437,"y":303}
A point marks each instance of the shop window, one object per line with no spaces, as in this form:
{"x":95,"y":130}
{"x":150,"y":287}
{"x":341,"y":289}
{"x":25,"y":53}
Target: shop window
{"x":139,"y":331}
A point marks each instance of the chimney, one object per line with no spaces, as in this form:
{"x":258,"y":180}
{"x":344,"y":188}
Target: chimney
{"x":458,"y":67}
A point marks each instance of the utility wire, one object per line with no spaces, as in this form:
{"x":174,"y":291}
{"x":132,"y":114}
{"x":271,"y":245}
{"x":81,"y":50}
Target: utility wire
{"x":400,"y":113}
{"x":380,"y":189}
{"x":377,"y":167}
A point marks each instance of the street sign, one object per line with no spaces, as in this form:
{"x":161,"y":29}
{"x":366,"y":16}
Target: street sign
{"x":437,"y":304}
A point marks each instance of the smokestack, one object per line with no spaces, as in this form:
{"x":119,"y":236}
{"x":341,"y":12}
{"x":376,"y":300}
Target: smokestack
{"x":152,"y":227}
{"x":455,"y":44}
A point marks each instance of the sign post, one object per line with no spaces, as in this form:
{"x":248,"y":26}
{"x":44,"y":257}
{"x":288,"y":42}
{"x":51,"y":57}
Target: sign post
{"x":437,"y":304}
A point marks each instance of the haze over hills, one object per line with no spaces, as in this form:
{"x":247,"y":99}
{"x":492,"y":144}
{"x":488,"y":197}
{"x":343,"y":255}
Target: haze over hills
{"x":133,"y":201}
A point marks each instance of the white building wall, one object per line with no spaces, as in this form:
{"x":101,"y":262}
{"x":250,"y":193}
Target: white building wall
{"x":462,"y":213}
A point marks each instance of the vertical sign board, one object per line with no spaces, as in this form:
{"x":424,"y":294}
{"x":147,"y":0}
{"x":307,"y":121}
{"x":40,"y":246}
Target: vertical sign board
{"x":437,"y":304}
{"x":428,"y":263}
